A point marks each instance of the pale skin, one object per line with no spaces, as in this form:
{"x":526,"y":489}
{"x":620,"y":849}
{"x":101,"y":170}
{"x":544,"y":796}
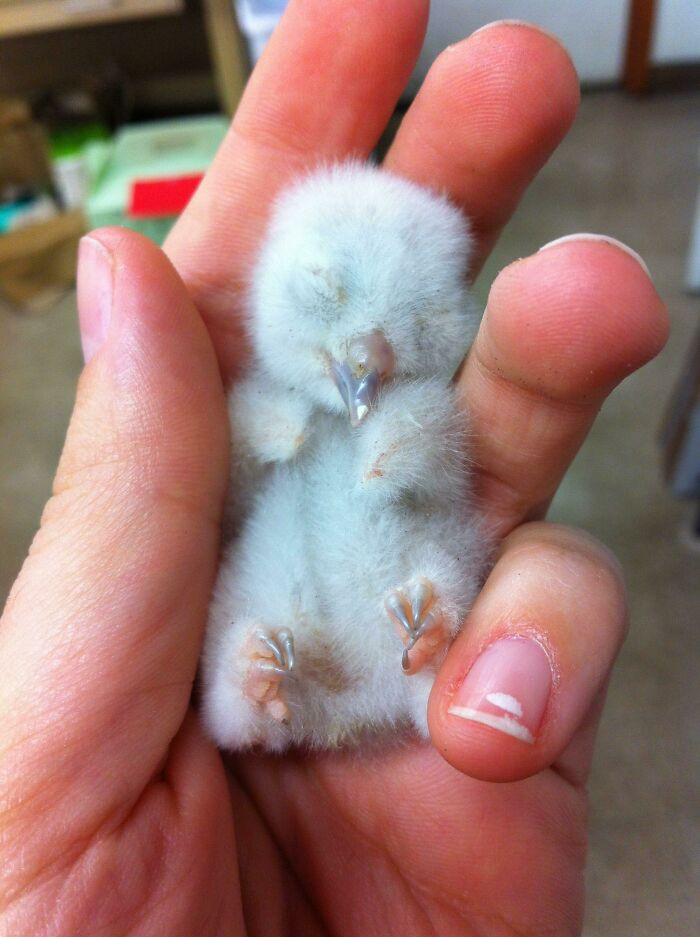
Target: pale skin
{"x":116,"y":814}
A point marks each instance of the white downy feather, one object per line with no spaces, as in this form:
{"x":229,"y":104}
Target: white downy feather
{"x":331,"y":517}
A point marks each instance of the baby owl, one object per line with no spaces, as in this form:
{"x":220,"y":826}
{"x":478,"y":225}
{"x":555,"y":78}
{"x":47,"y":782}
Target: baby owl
{"x":355,"y":551}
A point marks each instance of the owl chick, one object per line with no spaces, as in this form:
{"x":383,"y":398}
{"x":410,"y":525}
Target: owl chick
{"x":357,"y":552}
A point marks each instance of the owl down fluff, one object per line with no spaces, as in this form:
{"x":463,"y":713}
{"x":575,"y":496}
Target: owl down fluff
{"x":354,"y":551}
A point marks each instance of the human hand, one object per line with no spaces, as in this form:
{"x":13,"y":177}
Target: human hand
{"x":115,"y":815}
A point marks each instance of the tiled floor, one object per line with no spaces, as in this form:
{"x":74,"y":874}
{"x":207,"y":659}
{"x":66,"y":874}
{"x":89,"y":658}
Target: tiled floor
{"x":629,"y":168}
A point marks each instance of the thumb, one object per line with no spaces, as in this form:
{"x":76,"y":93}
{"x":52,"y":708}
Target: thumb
{"x":522,"y":686}
{"x":100,"y":636}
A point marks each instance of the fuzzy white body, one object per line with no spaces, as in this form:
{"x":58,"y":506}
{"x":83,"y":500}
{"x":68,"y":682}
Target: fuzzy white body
{"x":331,"y":518}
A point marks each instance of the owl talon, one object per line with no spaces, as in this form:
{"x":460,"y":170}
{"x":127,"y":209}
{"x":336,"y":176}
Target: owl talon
{"x":419,"y":622}
{"x":271,"y":662}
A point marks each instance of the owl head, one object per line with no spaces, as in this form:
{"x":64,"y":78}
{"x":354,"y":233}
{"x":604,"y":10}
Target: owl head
{"x":361,"y":279}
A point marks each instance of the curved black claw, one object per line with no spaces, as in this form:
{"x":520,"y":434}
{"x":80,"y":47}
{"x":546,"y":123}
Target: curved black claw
{"x":281,"y":646}
{"x":413,"y":610}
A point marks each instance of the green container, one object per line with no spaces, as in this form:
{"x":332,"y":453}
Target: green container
{"x":147,"y":151}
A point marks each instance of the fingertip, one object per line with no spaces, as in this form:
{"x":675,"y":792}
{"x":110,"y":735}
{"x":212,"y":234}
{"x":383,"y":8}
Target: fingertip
{"x":520,"y":682}
{"x":120,"y":240}
{"x":492,"y":109}
{"x":476,"y":751}
{"x":146,"y":265}
{"x":321,"y":65}
{"x":541,"y":39}
{"x":560,"y":541}
{"x":576,"y":318}
{"x":536,"y":44}
{"x":151,"y":308}
{"x":94,"y":292}
{"x":156,"y":371}
{"x":606,"y":239}
{"x":145,"y":290}
{"x":494,"y":721}
{"x":514,"y":84}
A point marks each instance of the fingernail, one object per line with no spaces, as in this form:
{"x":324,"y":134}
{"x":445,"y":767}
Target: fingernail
{"x":507,"y":688}
{"x":599,"y":237}
{"x":94,"y":289}
{"x":515,"y":22}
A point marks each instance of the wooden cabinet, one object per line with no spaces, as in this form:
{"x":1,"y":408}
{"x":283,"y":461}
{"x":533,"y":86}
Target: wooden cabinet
{"x":18,"y":17}
{"x":26,"y":19}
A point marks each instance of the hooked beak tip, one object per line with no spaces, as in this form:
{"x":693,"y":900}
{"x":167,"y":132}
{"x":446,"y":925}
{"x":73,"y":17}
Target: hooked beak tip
{"x":359,"y":394}
{"x":360,"y":413}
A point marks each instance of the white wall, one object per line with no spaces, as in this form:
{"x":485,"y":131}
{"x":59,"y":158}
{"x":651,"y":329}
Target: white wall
{"x":677,"y":33}
{"x":594,"y":31}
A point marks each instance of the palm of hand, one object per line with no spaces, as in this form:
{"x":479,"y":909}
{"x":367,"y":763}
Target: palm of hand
{"x":395,"y":842}
{"x":116,"y":815}
{"x":401,"y":843}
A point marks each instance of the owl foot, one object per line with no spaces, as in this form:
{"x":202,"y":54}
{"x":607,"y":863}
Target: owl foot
{"x":271,"y":660}
{"x":419,"y":622}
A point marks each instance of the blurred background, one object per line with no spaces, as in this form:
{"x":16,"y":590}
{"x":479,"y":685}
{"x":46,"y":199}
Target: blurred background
{"x":110,"y":110}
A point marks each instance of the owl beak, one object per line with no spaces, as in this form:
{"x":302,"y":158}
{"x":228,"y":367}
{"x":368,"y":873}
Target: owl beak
{"x":359,"y":377}
{"x":359,"y":394}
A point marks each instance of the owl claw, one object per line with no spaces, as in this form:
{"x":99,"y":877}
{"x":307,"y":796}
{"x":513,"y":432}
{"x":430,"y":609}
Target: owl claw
{"x":271,"y":662}
{"x":419,"y":622}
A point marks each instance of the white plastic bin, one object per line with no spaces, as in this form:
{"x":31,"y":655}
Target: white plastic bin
{"x":156,"y":150}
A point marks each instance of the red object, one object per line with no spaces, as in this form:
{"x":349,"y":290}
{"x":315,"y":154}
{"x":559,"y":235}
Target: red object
{"x":155,"y":198}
